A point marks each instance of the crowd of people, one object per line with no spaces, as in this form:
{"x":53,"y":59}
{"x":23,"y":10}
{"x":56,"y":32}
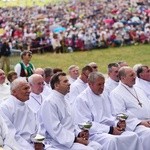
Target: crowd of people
{"x":76,"y":25}
{"x":56,"y":105}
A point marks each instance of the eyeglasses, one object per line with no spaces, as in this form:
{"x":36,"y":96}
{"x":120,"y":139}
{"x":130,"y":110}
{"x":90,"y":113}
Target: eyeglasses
{"x":95,"y":67}
{"x":30,"y":55}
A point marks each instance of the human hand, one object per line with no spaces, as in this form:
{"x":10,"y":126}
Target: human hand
{"x":81,"y":140}
{"x":121,"y":124}
{"x":117,"y":131}
{"x":145,"y":123}
{"x":38,"y":146}
{"x":84,"y":134}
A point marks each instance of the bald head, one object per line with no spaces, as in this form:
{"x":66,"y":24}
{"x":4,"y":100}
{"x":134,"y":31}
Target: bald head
{"x":127,"y":76}
{"x":39,"y":71}
{"x":36,"y":82}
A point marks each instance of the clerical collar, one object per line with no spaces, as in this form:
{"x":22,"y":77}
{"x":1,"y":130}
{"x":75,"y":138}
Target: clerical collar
{"x":18,"y":101}
{"x":133,"y":93}
{"x":37,"y":97}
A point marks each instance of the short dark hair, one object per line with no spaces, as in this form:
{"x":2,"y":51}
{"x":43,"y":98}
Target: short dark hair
{"x":48,"y":72}
{"x":140,"y":70}
{"x":112,"y":65}
{"x":87,"y":67}
{"x":10,"y":74}
{"x":55,"y":78}
{"x":55,"y":70}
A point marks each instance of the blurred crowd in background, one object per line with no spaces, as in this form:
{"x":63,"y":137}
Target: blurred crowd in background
{"x":76,"y":25}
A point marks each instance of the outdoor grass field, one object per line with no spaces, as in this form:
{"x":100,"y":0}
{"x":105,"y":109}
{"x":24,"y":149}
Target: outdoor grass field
{"x":131,"y":54}
{"x":28,"y":3}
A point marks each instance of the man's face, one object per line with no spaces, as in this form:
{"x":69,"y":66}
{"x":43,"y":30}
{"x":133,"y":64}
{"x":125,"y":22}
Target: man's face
{"x":74,"y":73}
{"x":38,"y":85}
{"x":114,"y":74}
{"x":129,"y":79}
{"x":145,"y":75}
{"x":98,"y":86}
{"x":2,"y":76}
{"x":28,"y":56}
{"x":94,"y":67}
{"x":85,"y":76}
{"x":63,"y":86}
{"x":22,"y":92}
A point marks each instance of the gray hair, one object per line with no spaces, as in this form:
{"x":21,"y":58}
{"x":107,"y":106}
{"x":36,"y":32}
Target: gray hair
{"x":94,"y":75}
{"x":16,"y":83}
{"x":111,"y":65}
{"x":32,"y":78}
{"x":122,"y":71}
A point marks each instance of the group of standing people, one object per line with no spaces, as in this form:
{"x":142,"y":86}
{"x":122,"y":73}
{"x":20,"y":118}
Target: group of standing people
{"x":53,"y":104}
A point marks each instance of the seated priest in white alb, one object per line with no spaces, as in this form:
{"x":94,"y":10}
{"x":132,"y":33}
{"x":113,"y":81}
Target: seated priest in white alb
{"x":132,"y":101}
{"x":91,"y":105}
{"x":20,"y":119}
{"x":143,"y":79}
{"x":36,"y":82}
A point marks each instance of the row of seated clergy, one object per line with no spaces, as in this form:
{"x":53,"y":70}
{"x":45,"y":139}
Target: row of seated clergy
{"x":59,"y":94}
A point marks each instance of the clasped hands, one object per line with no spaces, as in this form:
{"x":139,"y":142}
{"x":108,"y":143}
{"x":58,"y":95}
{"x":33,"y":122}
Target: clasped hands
{"x":145,"y":123}
{"x":83,"y":137}
{"x":121,"y":125}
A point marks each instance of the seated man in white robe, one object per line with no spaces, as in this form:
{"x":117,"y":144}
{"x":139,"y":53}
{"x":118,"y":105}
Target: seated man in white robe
{"x":4,"y":88}
{"x":79,"y":85}
{"x":20,"y":119}
{"x":7,"y":141}
{"x":56,"y":117}
{"x":46,"y":90}
{"x":132,"y":101}
{"x":48,"y":73}
{"x":94,"y":66}
{"x":36,"y":82}
{"x":73,"y":71}
{"x":113,"y":79}
{"x":90,"y":105}
{"x":143,"y":79}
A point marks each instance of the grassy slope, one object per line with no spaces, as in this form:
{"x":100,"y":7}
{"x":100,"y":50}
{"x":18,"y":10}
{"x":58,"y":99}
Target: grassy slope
{"x":6,"y":3}
{"x":131,"y":54}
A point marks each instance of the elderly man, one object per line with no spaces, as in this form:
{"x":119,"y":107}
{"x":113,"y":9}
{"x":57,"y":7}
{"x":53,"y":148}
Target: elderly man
{"x":90,"y":105}
{"x":143,"y":79}
{"x":58,"y":122}
{"x":36,"y":82}
{"x":73,"y":73}
{"x":20,"y":119}
{"x":113,"y":79}
{"x":128,"y":99}
{"x":25,"y":68}
{"x":94,"y":66}
{"x":47,"y":90}
{"x":4,"y":88}
{"x":80,"y":84}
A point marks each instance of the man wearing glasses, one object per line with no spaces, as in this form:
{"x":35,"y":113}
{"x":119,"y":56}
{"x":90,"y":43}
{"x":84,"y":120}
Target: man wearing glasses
{"x":94,"y":66}
{"x":25,"y":68}
{"x":80,"y":84}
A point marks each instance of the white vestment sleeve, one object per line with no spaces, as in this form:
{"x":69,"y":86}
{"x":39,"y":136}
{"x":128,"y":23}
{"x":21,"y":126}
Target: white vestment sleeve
{"x":83,"y":114}
{"x":17,"y":69}
{"x":53,"y":125}
{"x":120,"y":107}
{"x":12,"y":130}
